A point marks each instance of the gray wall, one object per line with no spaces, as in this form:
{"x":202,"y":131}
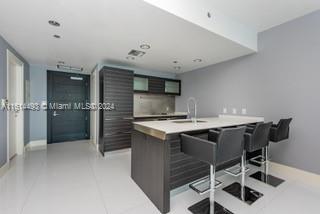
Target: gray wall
{"x":281,"y":80}
{"x":38,"y":94}
{"x":3,"y":93}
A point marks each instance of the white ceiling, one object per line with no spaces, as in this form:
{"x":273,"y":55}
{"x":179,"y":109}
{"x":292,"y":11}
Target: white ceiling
{"x":264,"y":14}
{"x":106,"y":30}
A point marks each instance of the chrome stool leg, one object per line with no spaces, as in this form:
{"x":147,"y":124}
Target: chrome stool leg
{"x":240,"y":190}
{"x":212,"y":188}
{"x":264,"y":176}
{"x":208,"y":205}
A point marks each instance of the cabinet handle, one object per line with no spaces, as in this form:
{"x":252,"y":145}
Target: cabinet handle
{"x":119,"y":118}
{"x":116,"y":133}
{"x":127,"y":118}
{"x":127,"y":132}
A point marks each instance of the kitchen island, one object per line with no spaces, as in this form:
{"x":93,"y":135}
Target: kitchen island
{"x":157,"y":163}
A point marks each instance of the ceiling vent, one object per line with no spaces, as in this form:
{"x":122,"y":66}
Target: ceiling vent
{"x":136,"y":53}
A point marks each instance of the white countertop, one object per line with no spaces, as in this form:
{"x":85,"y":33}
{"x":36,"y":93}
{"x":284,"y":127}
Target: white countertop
{"x":162,"y":128}
{"x":161,"y":115}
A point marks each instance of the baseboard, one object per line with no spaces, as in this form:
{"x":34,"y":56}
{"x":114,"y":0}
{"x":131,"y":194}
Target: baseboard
{"x":36,"y":145}
{"x":4,"y":169}
{"x":120,"y":151}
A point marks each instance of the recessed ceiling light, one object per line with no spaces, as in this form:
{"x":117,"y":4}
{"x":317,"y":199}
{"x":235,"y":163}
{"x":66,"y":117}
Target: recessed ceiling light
{"x":54,"y":23}
{"x":177,"y":67}
{"x":197,"y":60}
{"x":175,"y":62}
{"x":61,"y":62}
{"x":57,"y":36}
{"x":209,"y":15}
{"x":145,"y":46}
{"x":130,"y":58}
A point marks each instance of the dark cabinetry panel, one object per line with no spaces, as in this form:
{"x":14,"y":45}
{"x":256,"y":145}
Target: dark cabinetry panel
{"x":157,"y":85}
{"x":116,"y":88}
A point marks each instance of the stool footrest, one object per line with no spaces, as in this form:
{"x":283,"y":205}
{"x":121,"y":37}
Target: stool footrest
{"x":259,"y":159}
{"x":202,"y":186}
{"x":235,"y":170}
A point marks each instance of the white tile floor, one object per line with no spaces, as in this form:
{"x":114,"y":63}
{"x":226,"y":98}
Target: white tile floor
{"x":72,"y":178}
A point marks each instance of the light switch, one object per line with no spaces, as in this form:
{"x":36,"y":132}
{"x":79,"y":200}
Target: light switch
{"x":234,"y":111}
{"x":225,"y":110}
{"x":244,"y":111}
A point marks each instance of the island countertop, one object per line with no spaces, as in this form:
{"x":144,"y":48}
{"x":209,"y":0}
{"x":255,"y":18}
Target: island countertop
{"x":160,"y":129}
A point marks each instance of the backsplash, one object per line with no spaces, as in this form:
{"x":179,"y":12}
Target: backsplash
{"x":153,"y":104}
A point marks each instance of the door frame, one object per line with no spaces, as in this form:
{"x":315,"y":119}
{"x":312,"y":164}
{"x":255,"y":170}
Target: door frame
{"x":19,"y":80}
{"x":49,"y":93}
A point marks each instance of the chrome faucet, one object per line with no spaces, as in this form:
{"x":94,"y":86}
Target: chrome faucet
{"x":194,"y":119}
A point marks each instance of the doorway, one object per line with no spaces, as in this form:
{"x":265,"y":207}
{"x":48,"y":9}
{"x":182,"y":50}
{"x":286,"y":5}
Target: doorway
{"x":15,"y":95}
{"x":67,"y":94}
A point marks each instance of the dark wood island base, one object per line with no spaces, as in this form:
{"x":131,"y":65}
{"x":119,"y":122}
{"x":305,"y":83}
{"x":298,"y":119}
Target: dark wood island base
{"x":158,"y":165}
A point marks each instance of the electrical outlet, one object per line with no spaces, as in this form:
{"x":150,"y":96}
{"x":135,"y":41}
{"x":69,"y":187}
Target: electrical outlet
{"x":225,"y":110}
{"x":244,"y":111}
{"x":234,"y":111}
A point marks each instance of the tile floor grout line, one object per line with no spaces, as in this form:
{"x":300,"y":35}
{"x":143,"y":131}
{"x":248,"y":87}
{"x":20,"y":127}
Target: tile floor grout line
{"x":97,"y":184}
{"x":32,"y":185}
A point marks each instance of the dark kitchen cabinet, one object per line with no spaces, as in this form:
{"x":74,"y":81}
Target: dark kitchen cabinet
{"x":173,"y":87}
{"x":141,"y":84}
{"x":116,"y":91}
{"x":156,"y":85}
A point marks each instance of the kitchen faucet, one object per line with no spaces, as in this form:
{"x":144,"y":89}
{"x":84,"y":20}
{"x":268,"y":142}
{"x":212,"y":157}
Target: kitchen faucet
{"x":194,"y":119}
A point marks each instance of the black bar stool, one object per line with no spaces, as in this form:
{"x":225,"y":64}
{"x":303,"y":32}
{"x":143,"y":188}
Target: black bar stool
{"x":278,"y":132}
{"x":254,"y":139}
{"x":257,"y":138}
{"x":222,"y":147}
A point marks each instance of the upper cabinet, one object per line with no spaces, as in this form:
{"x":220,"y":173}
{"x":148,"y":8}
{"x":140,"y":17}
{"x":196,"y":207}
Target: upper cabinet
{"x":141,"y":83}
{"x":172,"y":87}
{"x":156,"y":85}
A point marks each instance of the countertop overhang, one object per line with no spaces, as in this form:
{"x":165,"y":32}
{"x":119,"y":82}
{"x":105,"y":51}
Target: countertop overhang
{"x":160,"y":129}
{"x":174,"y":114}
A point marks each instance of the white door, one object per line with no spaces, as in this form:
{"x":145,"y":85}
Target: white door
{"x":15,"y":96}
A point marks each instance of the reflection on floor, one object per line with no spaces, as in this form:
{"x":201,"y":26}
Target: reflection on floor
{"x":72,"y":178}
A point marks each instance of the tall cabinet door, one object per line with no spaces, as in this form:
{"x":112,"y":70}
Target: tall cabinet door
{"x":117,"y":122}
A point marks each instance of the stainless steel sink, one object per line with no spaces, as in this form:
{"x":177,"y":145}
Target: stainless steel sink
{"x":189,"y":121}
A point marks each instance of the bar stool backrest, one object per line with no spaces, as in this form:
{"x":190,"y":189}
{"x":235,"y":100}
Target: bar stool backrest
{"x":230,"y":143}
{"x":198,"y":148}
{"x":260,"y":135}
{"x":283,"y":129}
